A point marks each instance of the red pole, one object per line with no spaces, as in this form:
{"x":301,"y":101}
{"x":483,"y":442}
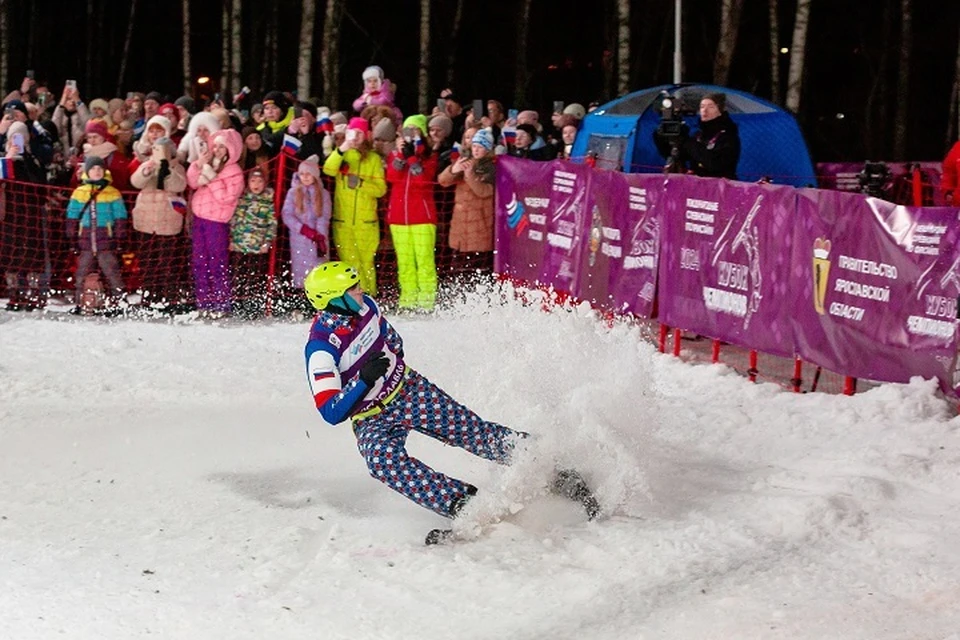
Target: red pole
{"x":849,"y":386}
{"x":277,"y":206}
{"x":797,"y":374}
{"x":716,"y":352}
{"x":662,"y":341}
{"x":752,"y":371}
{"x":676,"y":342}
{"x":916,"y":179}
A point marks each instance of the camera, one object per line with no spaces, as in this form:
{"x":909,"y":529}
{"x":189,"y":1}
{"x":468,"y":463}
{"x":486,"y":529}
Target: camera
{"x":874,"y":179}
{"x":672,"y":129}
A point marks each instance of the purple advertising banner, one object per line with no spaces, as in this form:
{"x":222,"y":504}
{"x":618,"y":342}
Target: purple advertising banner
{"x":542,"y":221}
{"x":876,"y":286}
{"x":725,"y":261}
{"x":619,"y":265}
{"x":845,"y":176}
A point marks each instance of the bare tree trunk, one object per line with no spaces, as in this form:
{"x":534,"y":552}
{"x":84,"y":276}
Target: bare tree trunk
{"x":623,"y":47}
{"x":305,"y":55}
{"x":32,"y":35}
{"x":876,"y":111}
{"x":225,"y":44}
{"x":423,"y":76}
{"x":903,"y":81}
{"x":187,"y":80}
{"x":89,"y":51}
{"x":522,"y":76}
{"x":798,"y":47}
{"x":236,"y":46}
{"x":265,"y":56}
{"x":730,"y":13}
{"x":330,"y":57}
{"x":454,"y":42}
{"x":773,"y":11}
{"x":274,"y":34}
{"x":4,"y":46}
{"x":126,"y":46}
{"x":98,"y":62}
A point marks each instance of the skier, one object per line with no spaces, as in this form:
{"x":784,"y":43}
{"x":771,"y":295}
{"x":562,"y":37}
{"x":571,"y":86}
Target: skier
{"x":356,"y":370}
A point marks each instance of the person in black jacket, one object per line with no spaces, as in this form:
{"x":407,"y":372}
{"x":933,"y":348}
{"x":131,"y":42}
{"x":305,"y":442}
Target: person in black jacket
{"x":714,"y":150}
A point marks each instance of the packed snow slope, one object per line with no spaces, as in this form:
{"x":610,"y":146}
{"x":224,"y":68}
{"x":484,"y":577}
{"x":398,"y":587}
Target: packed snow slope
{"x":173,"y":480}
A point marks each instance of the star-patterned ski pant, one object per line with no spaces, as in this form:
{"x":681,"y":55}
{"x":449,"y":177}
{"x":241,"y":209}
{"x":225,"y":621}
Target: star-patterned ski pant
{"x":422,"y":406}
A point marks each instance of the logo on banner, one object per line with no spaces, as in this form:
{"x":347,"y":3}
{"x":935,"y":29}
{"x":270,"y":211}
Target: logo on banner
{"x":515,"y":215}
{"x":821,"y":270}
{"x":742,"y":284}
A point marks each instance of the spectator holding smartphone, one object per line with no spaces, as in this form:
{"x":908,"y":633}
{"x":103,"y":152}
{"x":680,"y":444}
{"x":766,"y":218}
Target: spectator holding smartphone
{"x":71,"y":117}
{"x":358,"y":181}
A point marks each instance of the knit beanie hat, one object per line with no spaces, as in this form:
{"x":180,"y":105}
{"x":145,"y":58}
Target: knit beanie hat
{"x":169,"y":144}
{"x":309,"y":107}
{"x":373,"y":71}
{"x":339,"y":118}
{"x":98,"y":127}
{"x":360,"y":124}
{"x":442,"y":122}
{"x":484,"y":138}
{"x":248,"y":131}
{"x":311,"y":165}
{"x":276,"y":98}
{"x":719,"y":99}
{"x":385,"y":130}
{"x":113,"y":105}
{"x":530,"y":129}
{"x":160,"y":121}
{"x":418,"y":121}
{"x":567,"y":120}
{"x":16,"y":104}
{"x":187,"y":103}
{"x":156,"y":96}
{"x":91,"y":162}
{"x":528,"y":115}
{"x":576,"y":110}
{"x":99,"y":103}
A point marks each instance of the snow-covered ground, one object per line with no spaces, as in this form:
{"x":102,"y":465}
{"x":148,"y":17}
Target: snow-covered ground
{"x":172,"y":480}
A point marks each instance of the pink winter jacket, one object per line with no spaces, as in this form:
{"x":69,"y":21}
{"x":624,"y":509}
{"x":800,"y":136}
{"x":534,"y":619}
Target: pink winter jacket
{"x":217,"y":194}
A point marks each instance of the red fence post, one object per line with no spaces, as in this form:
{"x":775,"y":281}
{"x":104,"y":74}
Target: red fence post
{"x":917,"y":181}
{"x":277,"y":206}
{"x":752,"y":371}
{"x":676,"y":342}
{"x":715,"y":357}
{"x":849,"y":386}
{"x":662,"y":341}
{"x":797,"y":374}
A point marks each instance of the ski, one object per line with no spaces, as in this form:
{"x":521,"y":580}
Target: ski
{"x":570,"y":484}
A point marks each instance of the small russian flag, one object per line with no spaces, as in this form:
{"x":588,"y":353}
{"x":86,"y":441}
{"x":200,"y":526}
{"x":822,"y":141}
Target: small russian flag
{"x":419,"y":146}
{"x":324,"y":125}
{"x":509,"y":135}
{"x":290,"y":144}
{"x":6,"y":169}
{"x":179,"y":205}
{"x":322,"y":375}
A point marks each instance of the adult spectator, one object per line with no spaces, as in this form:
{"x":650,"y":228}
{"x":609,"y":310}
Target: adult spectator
{"x":71,"y":117}
{"x":453,"y":108}
{"x":254,"y":152}
{"x":530,"y":145}
{"x":101,"y":144}
{"x":41,"y":142}
{"x":22,"y":253}
{"x":303,"y":127}
{"x":714,"y":150}
{"x":568,"y":127}
{"x":186,"y":107}
{"x":278,"y":114}
{"x":950,"y":180}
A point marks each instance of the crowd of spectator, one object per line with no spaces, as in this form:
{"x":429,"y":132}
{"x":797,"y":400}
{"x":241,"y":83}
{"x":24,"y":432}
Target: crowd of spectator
{"x":202,"y":176}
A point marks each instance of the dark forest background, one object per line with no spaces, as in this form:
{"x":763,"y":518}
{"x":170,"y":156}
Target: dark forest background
{"x":851,"y":76}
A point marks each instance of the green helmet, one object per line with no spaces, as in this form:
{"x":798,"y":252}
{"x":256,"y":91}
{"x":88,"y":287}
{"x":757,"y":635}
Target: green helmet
{"x":329,"y":281}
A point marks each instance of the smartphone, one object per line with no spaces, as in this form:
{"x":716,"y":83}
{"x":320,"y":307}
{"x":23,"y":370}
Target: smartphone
{"x":442,"y":104}
{"x":129,"y":95}
{"x":558,"y":106}
{"x":30,"y":73}
{"x":352,"y":134}
{"x":71,"y":84}
{"x":512,"y":114}
{"x":478,"y":109}
{"x":202,"y":146}
{"x":17,"y":140}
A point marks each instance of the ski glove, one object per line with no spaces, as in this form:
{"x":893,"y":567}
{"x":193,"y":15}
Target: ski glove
{"x":374,"y":368}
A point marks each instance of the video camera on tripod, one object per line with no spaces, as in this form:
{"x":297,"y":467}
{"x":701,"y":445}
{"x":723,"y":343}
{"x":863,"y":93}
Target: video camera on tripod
{"x":671,"y":129}
{"x":874,"y":179}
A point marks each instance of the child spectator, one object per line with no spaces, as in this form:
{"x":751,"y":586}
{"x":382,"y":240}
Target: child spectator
{"x":253,"y":229}
{"x":157,"y":127}
{"x":358,"y":182}
{"x":412,"y":215}
{"x":254,"y":151}
{"x":277,"y":116}
{"x":471,"y":227}
{"x":158,"y":220}
{"x":377,"y":90}
{"x":97,"y":223}
{"x":218,"y":180}
{"x":306,"y":212}
{"x":198,"y":137}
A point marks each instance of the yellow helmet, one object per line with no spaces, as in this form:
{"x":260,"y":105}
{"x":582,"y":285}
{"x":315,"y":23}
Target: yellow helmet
{"x":328,"y":281}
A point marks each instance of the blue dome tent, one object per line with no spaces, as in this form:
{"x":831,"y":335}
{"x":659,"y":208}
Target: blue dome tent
{"x":620,"y":133}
